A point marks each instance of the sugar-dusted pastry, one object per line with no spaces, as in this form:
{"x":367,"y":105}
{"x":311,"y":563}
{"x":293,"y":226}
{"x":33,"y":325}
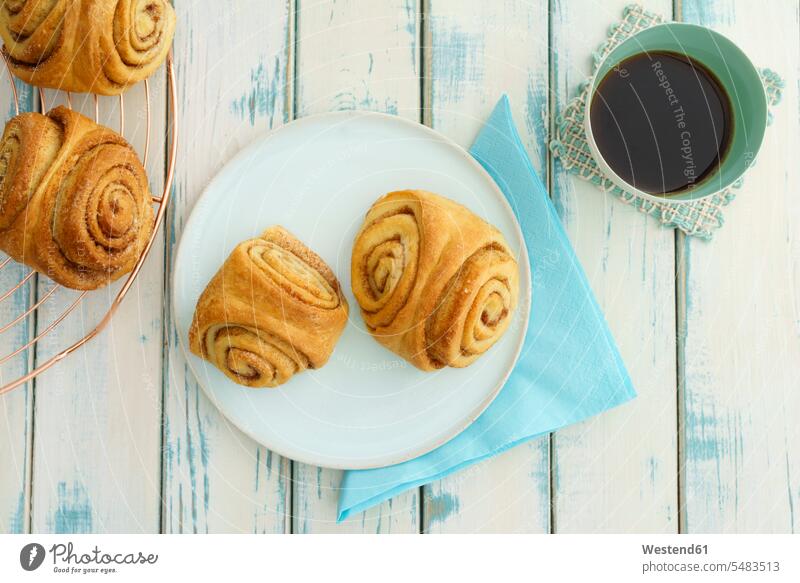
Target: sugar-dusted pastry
{"x":74,"y":199}
{"x":274,"y":309}
{"x":86,"y":46}
{"x":436,"y":284}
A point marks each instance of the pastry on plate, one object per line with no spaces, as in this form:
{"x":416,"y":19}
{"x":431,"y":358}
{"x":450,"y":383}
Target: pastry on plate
{"x":274,"y":309}
{"x":86,"y":46}
{"x":74,"y":200}
{"x":436,"y":284}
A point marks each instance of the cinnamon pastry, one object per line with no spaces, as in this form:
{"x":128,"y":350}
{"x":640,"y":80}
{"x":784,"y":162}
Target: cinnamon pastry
{"x":273,"y":310}
{"x":97,"y":46}
{"x":74,"y":199}
{"x":436,"y":284}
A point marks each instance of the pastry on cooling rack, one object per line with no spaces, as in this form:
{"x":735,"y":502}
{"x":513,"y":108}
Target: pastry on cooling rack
{"x":436,"y":284}
{"x":274,"y":309}
{"x":86,"y":46}
{"x":74,"y":200}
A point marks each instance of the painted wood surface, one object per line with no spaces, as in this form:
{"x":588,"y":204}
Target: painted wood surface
{"x":354,"y":55}
{"x":96,"y":464}
{"x":232,"y":61}
{"x":475,"y":52}
{"x":740,"y":332}
{"x":617,"y":472}
{"x":120,"y":438}
{"x":16,"y":409}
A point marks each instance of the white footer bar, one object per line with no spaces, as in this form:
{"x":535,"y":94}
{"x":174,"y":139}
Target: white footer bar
{"x":618,"y":558}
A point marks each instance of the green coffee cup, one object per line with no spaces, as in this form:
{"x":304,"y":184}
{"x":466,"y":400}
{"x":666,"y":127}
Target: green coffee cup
{"x":735,"y":73}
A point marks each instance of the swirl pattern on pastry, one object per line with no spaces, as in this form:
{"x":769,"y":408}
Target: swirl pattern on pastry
{"x":98,"y":46}
{"x":436,"y":284}
{"x":74,"y":200}
{"x":274,"y":309}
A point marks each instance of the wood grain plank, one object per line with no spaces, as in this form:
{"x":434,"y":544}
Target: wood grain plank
{"x":354,"y":55}
{"x":476,"y":51}
{"x":16,"y":409}
{"x":617,"y":472}
{"x":98,"y":413}
{"x":740,"y":341}
{"x":232,"y":62}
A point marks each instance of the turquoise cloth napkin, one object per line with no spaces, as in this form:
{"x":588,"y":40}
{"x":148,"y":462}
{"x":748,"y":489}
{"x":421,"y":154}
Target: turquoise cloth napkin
{"x":569,"y":368}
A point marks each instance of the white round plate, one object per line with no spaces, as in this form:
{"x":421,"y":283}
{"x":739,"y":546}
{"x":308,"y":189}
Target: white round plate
{"x":318,"y":177}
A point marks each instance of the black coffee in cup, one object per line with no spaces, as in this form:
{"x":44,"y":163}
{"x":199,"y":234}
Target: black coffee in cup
{"x":662,"y":122}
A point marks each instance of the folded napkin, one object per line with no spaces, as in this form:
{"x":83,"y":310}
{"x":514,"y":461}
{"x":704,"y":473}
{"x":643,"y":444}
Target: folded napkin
{"x":569,"y":368}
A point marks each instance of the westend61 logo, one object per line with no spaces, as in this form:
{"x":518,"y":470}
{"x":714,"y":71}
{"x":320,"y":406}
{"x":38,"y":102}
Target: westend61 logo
{"x":67,"y":560}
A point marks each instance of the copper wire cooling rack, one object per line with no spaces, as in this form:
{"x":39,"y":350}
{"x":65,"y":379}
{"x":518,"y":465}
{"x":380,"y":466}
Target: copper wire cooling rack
{"x":162,"y":202}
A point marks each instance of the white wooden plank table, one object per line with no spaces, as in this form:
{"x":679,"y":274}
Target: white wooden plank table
{"x":120,"y":438}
